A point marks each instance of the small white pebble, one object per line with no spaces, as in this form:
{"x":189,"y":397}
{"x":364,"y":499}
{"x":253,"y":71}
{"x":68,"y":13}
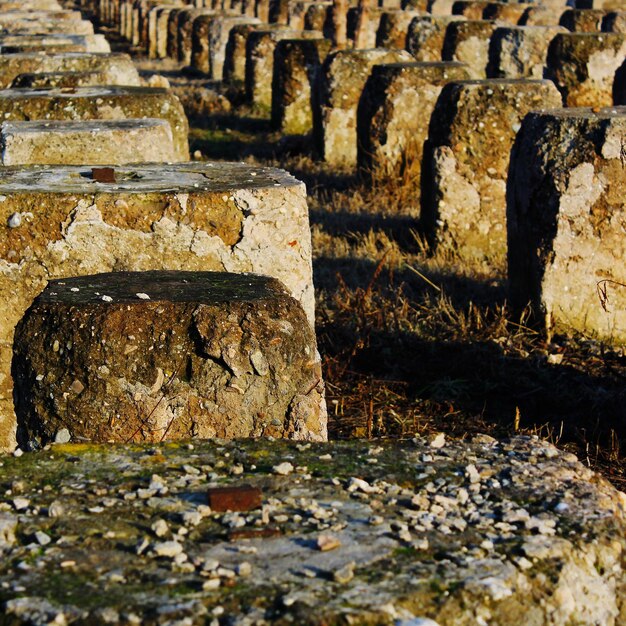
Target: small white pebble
{"x":143,"y":296}
{"x":107,"y":299}
{"x":283,"y":469}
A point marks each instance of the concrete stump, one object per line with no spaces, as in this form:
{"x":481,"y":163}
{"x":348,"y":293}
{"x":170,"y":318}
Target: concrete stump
{"x":470,"y":9}
{"x":153,"y":356}
{"x":393,"y":28}
{"x":583,"y":66}
{"x":46,"y":27}
{"x":98,"y":103}
{"x":440,"y":7}
{"x":118,"y":68}
{"x":566,"y":214}
{"x":511,"y":13}
{"x":172,"y":31}
{"x":186,"y":21}
{"x":583,"y":20}
{"x":520,"y":51}
{"x":219,"y":34}
{"x":200,"y":59}
{"x":468,"y":42}
{"x":162,"y":31}
{"x":297,"y":64}
{"x":52,"y":43}
{"x":60,"y":80}
{"x":466,"y":162}
{"x":318,"y":17}
{"x":426,"y":36}
{"x":101,"y":142}
{"x":235,"y":53}
{"x":260,"y":47}
{"x":394,"y":116}
{"x":615,"y":22}
{"x":342,"y":80}
{"x":542,"y":15}
{"x":60,"y":221}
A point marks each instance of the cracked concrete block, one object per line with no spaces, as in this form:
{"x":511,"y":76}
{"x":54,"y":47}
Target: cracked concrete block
{"x":118,"y":68}
{"x":53,"y":43}
{"x":393,"y":28}
{"x":583,"y":20}
{"x":566,"y":218}
{"x":297,"y":64}
{"x":466,"y":161}
{"x":520,"y":51}
{"x":98,"y":103}
{"x":394,"y":116}
{"x":162,"y":355}
{"x":426,"y":36}
{"x":60,"y":222}
{"x":342,"y":80}
{"x":100,"y":142}
{"x":468,"y":42}
{"x":235,"y":53}
{"x":583,"y":66}
{"x":260,"y":47}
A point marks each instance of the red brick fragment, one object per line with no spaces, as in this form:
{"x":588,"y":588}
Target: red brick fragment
{"x":103,"y":174}
{"x":243,"y":498}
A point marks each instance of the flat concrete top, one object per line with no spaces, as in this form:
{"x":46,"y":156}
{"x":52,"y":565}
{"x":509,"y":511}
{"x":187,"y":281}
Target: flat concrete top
{"x":502,"y":82}
{"x":143,"y":178}
{"x":18,"y":56}
{"x":615,"y":112}
{"x":81,"y":92}
{"x":75,"y":126}
{"x":169,"y":286}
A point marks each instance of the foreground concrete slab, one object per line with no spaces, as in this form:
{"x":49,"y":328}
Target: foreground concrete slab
{"x":466,"y":162}
{"x":60,"y":80}
{"x":49,"y":43}
{"x":233,"y":354}
{"x":353,"y":532}
{"x":98,"y":103}
{"x":60,"y":221}
{"x":566,"y":208}
{"x":99,"y":142}
{"x":118,"y":68}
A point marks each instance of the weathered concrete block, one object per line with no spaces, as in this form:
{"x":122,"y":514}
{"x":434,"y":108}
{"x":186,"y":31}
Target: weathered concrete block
{"x":60,"y":222}
{"x":118,"y":68}
{"x":393,"y":28}
{"x":94,"y":103}
{"x":470,"y":9}
{"x":394,"y":116}
{"x":369,"y":28}
{"x":172,"y":31}
{"x":583,"y":20}
{"x":318,"y":17}
{"x":298,"y":12}
{"x":615,"y":22}
{"x":566,"y":211}
{"x":297,"y":64}
{"x":50,"y":26}
{"x":468,"y":42}
{"x":511,"y":13}
{"x":50,"y":43}
{"x":200,"y":58}
{"x":157,"y":29}
{"x":60,"y":80}
{"x":611,"y":5}
{"x":260,"y":47}
{"x":520,"y":51}
{"x":186,"y":21}
{"x":426,"y":36}
{"x":162,"y":30}
{"x":440,"y":7}
{"x":583,"y":66}
{"x":235,"y":54}
{"x":342,"y":80}
{"x":467,"y":159}
{"x":177,"y":355}
{"x":219,"y":34}
{"x":101,"y":142}
{"x":542,"y":15}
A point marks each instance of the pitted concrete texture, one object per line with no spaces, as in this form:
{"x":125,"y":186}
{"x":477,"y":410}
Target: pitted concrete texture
{"x":93,"y":142}
{"x":59,"y":222}
{"x":468,"y":42}
{"x":393,"y":28}
{"x":466,"y":162}
{"x":160,"y":355}
{"x":584,"y":66}
{"x":511,"y":13}
{"x":470,"y":9}
{"x":426,"y":36}
{"x":615,"y":22}
{"x":46,"y":43}
{"x":234,"y":70}
{"x":543,"y":15}
{"x":98,"y":103}
{"x":364,"y":533}
{"x":297,"y":65}
{"x":60,"y":80}
{"x":566,"y":219}
{"x":118,"y":68}
{"x":520,"y":51}
{"x":342,"y":80}
{"x":583,"y":20}
{"x":24,"y":26}
{"x":393,"y":119}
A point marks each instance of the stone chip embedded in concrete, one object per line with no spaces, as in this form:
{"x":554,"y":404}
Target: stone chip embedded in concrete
{"x":566,"y":216}
{"x":394,"y":116}
{"x":96,"y":142}
{"x":583,"y":66}
{"x":154,"y":356}
{"x":59,"y":221}
{"x":466,"y":162}
{"x":485,"y":531}
{"x":342,"y":80}
{"x":118,"y":68}
{"x":94,"y":103}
